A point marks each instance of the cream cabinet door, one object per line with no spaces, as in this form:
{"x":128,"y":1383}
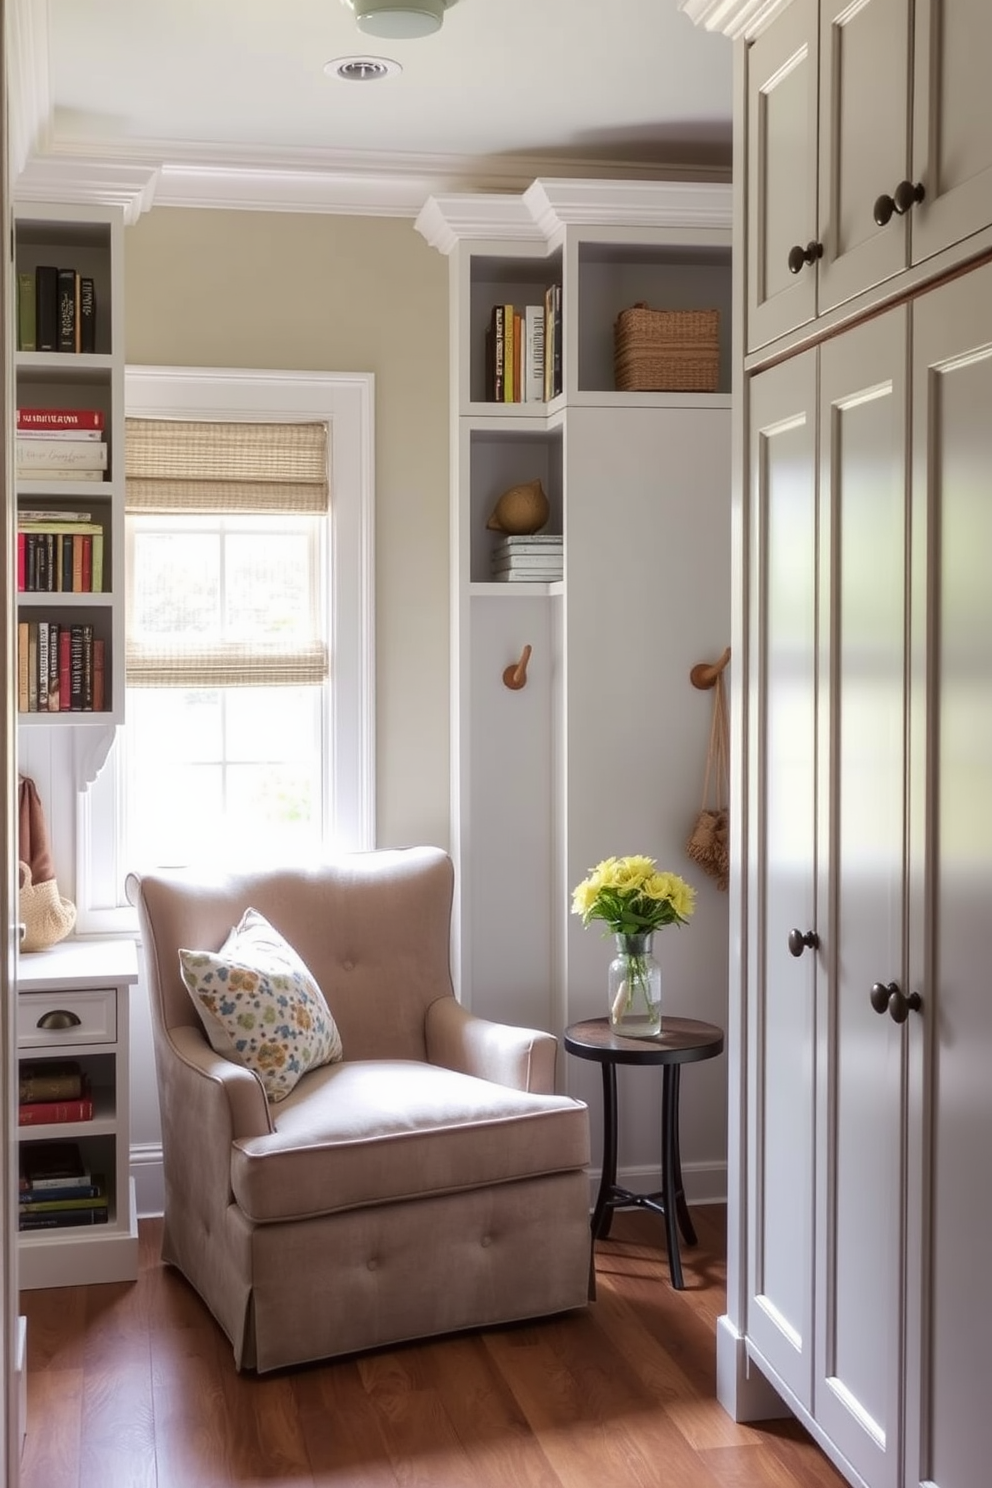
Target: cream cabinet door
{"x":781,"y":970}
{"x":862,"y":713}
{"x":781,"y":156}
{"x":864,"y":143}
{"x":952,"y":131}
{"x":949,"y":1436}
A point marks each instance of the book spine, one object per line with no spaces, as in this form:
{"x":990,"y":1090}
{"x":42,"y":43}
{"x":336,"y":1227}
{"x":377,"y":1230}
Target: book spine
{"x":87,"y":315}
{"x":50,"y":1087}
{"x":99,"y":676}
{"x":59,"y":418}
{"x":518,"y":360}
{"x":498,"y":348}
{"x":66,"y":541}
{"x":22,"y":542}
{"x":76,"y":669}
{"x":87,"y":685}
{"x":54,"y":696}
{"x":77,"y":564}
{"x":97,"y":569}
{"x":46,"y":303}
{"x":26,"y":332}
{"x":534,"y":353}
{"x":32,"y":666}
{"x":61,"y":454}
{"x":87,"y":564}
{"x":509,"y":354}
{"x":42,"y":666}
{"x":60,"y":1191}
{"x":68,"y":307}
{"x":50,"y":1182}
{"x":62,"y":1221}
{"x":22,"y":666}
{"x":44,"y":1113}
{"x":65,"y":669}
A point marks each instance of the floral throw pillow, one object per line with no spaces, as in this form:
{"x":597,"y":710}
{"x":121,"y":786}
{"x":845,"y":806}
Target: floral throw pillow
{"x":260,"y":1005}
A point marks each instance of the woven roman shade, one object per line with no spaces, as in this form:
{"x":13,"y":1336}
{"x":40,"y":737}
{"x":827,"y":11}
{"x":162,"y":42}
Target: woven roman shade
{"x":201,"y":469}
{"x":202,"y":466}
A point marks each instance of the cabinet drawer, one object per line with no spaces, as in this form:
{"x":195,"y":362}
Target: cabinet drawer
{"x":58,"y":1019}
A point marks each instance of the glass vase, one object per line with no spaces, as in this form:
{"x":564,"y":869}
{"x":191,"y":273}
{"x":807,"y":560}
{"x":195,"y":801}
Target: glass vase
{"x":635,"y":988}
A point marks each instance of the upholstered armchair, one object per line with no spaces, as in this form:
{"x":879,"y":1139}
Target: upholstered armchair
{"x":424,"y":1178}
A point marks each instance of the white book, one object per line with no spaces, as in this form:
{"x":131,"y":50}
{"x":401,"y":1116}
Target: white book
{"x":59,"y":454}
{"x":89,"y":435}
{"x":532,"y":360}
{"x":49,"y":474}
{"x":531,"y":576}
{"x":529,"y":560}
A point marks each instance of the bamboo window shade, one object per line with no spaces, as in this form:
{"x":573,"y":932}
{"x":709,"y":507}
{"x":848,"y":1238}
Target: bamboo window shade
{"x":204,"y":468}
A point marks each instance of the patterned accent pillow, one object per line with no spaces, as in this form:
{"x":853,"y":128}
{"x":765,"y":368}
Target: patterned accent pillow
{"x":260,"y":1005}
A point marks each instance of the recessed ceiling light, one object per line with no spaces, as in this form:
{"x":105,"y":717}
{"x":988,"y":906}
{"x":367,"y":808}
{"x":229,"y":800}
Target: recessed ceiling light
{"x":362,"y":69}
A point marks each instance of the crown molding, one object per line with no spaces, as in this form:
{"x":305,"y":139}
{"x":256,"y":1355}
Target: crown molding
{"x":555,"y":204}
{"x":546,"y":207}
{"x":87,"y":183}
{"x":733,"y":17}
{"x":29,"y":107}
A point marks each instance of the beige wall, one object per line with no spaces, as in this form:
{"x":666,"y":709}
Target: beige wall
{"x":289,"y":291}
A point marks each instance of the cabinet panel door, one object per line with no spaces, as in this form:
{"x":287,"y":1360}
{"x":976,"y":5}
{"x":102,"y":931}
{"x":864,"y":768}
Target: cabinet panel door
{"x":952,"y":138}
{"x":781,"y":154}
{"x":863,"y":720}
{"x":864,"y":144}
{"x":781,"y":986}
{"x":950,"y":1323}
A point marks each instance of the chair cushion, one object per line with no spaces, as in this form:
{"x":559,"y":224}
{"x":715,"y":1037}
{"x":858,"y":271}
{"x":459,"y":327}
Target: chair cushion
{"x":260,"y":1005}
{"x":376,"y":1131}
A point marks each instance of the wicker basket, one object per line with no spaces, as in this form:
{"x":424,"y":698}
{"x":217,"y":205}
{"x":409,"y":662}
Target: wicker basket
{"x":667,"y":351}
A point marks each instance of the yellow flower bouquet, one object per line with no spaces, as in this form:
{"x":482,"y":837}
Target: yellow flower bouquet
{"x":633,"y":898}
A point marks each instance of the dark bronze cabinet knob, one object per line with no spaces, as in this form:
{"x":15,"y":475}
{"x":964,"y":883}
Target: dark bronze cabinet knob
{"x":906,"y":195}
{"x":59,"y":1018}
{"x":886,"y":997}
{"x":798,"y":942}
{"x":799,"y":257}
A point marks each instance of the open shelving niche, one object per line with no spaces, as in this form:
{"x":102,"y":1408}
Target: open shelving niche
{"x":610,"y":245}
{"x":89,"y":239}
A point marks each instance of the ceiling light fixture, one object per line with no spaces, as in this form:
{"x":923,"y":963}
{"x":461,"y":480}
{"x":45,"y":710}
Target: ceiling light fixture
{"x":398,"y":19}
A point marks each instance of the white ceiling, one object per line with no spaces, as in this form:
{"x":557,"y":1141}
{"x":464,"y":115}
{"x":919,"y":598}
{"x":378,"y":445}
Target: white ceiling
{"x":505,"y":91}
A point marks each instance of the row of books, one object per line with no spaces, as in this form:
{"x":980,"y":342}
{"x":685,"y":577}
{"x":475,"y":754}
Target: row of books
{"x":61,"y":444}
{"x":523,"y":351}
{"x":59,"y":557}
{"x":535,"y":559}
{"x":60,"y":668}
{"x":56,"y":1189}
{"x":56,"y":310}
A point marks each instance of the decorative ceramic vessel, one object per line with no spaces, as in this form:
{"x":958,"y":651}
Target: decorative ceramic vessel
{"x":635,"y":988}
{"x":520,"y":510}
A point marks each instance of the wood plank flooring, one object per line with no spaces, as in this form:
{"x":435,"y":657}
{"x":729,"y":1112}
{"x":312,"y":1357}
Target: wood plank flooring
{"x":133,"y":1386}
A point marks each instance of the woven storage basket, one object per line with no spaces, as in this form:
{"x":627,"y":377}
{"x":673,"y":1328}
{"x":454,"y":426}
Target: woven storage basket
{"x":667,"y":351}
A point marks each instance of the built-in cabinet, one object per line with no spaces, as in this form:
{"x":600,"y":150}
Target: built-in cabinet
{"x":602,"y":751}
{"x":869,"y":149}
{"x":89,"y":242}
{"x":860,"y":1018}
{"x":73,"y":1004}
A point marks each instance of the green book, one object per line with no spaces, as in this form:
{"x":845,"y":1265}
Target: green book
{"x":26,"y":333}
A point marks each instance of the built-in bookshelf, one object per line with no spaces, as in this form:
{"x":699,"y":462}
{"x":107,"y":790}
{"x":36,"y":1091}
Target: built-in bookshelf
{"x":69,"y":465}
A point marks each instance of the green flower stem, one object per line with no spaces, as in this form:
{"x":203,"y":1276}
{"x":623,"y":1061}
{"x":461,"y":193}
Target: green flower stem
{"x":635,"y":979}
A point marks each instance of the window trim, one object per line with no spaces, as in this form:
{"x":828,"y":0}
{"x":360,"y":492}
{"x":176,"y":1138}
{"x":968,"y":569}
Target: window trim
{"x":346,"y":402}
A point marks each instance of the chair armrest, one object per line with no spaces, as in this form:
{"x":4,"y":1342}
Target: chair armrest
{"x":240,"y":1088}
{"x":522,"y":1058}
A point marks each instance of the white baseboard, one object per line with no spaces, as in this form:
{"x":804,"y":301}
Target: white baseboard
{"x":149,"y":1179}
{"x":20,"y":1381}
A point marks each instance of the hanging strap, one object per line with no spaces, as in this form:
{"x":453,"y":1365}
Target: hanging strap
{"x":718,"y":752}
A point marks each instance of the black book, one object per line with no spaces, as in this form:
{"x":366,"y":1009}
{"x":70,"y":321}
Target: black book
{"x":76,"y":669}
{"x":87,"y":315}
{"x":46,"y":315}
{"x":68,"y":310}
{"x":497,"y":351}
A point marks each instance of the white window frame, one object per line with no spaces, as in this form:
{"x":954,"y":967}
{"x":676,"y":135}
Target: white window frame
{"x":346,"y":402}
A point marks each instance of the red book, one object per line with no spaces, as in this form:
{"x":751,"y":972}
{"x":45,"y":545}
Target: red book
{"x":22,"y":539}
{"x":65,"y":668}
{"x":59,"y":418}
{"x":99,"y":677}
{"x":45,"y":1113}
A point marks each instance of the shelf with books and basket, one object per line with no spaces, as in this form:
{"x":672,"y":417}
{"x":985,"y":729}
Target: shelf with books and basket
{"x":69,"y":481}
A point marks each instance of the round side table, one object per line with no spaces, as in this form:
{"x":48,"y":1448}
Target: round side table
{"x":681,"y":1041}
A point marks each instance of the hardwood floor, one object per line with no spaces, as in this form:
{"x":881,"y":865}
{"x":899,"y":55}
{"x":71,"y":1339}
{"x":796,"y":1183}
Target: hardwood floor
{"x":133,"y":1386}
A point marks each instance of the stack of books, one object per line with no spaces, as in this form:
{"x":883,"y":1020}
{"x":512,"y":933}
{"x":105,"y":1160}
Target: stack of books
{"x":56,"y":310}
{"x":56,"y":1190}
{"x":538,"y":558}
{"x":53,"y":1091}
{"x":59,"y":444}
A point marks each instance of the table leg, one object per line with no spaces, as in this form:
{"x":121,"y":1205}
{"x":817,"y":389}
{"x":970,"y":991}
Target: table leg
{"x":602,"y":1215}
{"x":681,"y":1207}
{"x":670,"y":1178}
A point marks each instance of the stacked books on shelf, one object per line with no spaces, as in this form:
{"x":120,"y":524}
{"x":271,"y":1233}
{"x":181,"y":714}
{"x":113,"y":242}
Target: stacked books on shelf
{"x":56,"y":1189}
{"x":523,"y":351}
{"x":535,"y":559}
{"x":60,"y":668}
{"x":59,"y":552}
{"x":56,"y":310}
{"x":60,"y":444}
{"x":53,"y":1091}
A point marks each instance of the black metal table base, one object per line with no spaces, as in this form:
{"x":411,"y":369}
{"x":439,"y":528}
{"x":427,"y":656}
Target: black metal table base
{"x":669,"y":1201}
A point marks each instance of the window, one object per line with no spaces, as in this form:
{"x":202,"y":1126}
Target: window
{"x":249,"y":630}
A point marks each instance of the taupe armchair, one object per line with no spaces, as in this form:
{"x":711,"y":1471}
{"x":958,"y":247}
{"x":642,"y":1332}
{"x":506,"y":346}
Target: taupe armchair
{"x":429,"y":1181}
